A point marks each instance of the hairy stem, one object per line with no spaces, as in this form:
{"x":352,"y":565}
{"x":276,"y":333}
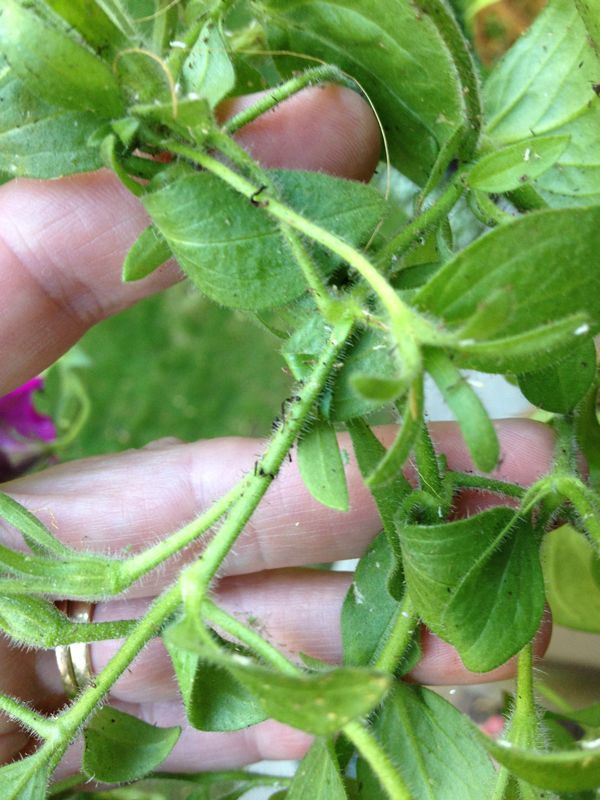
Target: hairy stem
{"x":34,"y":722}
{"x":422,"y":224}
{"x":273,"y":97}
{"x":196,"y":579}
{"x":399,"y":638}
{"x":466,"y":480}
{"x":379,"y":761}
{"x":405,"y":324}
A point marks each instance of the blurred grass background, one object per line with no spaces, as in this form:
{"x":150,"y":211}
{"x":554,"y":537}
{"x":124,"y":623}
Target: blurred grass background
{"x":176,"y":365}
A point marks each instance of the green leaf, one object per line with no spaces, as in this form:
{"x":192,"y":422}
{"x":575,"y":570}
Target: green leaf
{"x":572,"y":592}
{"x":87,"y":17}
{"x":147,"y":253}
{"x":410,"y":59}
{"x":536,"y":259}
{"x":370,"y":609}
{"x":119,"y":747}
{"x":319,"y":703}
{"x":24,"y":780}
{"x":371,"y":355}
{"x":52,"y":65}
{"x":544,"y":85}
{"x":513,"y":165}
{"x":214,"y":699}
{"x":560,"y":387}
{"x":321,"y":466}
{"x":381,"y":390}
{"x":570,"y":770}
{"x":475,"y":424}
{"x":38,"y":623}
{"x":369,"y":454}
{"x":589,"y":11}
{"x":434,"y":743}
{"x":539,"y":347}
{"x":477,"y":583}
{"x":37,"y":536}
{"x":318,"y":776}
{"x":587,"y":427}
{"x":38,"y":140}
{"x":207,"y":71}
{"x":234,"y":252}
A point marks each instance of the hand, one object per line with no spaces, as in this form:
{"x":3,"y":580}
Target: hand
{"x":60,"y":258}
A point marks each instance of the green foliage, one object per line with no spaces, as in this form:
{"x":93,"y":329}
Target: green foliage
{"x":53,"y":65}
{"x":233,"y":251}
{"x":321,"y":467}
{"x":434,"y":743}
{"x":469,"y":576}
{"x":561,"y":387}
{"x":367,"y":288}
{"x":511,"y":166}
{"x":571,"y":588}
{"x":417,"y":72}
{"x":318,"y":775}
{"x":524,"y":96}
{"x":320,"y":703}
{"x":120,"y":747}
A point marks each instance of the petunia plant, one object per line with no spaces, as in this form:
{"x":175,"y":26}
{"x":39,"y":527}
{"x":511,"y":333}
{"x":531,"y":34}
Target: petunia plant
{"x":496,"y":269}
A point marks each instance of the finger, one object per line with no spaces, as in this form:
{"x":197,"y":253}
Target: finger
{"x":62,"y":243}
{"x":298,"y":611}
{"x":85,"y":505}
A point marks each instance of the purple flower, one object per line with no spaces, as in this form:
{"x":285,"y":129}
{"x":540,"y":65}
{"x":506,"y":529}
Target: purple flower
{"x":23,"y":430}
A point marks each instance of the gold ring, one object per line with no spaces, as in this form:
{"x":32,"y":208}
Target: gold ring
{"x":74,"y":660}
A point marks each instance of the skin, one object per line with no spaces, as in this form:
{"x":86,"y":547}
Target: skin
{"x":62,"y":244}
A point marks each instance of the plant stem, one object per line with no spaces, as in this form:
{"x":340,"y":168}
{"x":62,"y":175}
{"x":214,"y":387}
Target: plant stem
{"x":427,"y":464}
{"x":243,"y":633}
{"x":355,"y":731}
{"x":405,"y":324}
{"x":488,"y":212}
{"x":38,"y":724}
{"x":144,"y":562}
{"x":426,"y":220}
{"x":196,"y":579}
{"x":465,"y":480}
{"x":70,"y":721}
{"x":325,"y":303}
{"x":379,"y":761}
{"x":275,"y":96}
{"x":585,"y":502}
{"x":399,"y":638}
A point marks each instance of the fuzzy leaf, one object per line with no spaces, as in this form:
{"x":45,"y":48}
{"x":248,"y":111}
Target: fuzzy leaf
{"x":544,"y":85}
{"x":571,"y":589}
{"x":119,"y":747}
{"x":434,"y":743}
{"x":24,"y":780}
{"x":318,"y":776}
{"x":233,"y":251}
{"x":513,"y":165}
{"x":475,"y":424}
{"x":214,"y":699}
{"x":38,"y":140}
{"x":319,"y":703}
{"x":536,"y":259}
{"x":534,"y":349}
{"x":51,"y":64}
{"x":38,"y":623}
{"x":147,"y":253}
{"x":476,"y":583}
{"x":411,"y":59}
{"x":207,"y":71}
{"x":566,"y":771}
{"x":321,"y":466}
{"x":369,"y":609}
{"x":37,"y":536}
{"x":560,"y":387}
